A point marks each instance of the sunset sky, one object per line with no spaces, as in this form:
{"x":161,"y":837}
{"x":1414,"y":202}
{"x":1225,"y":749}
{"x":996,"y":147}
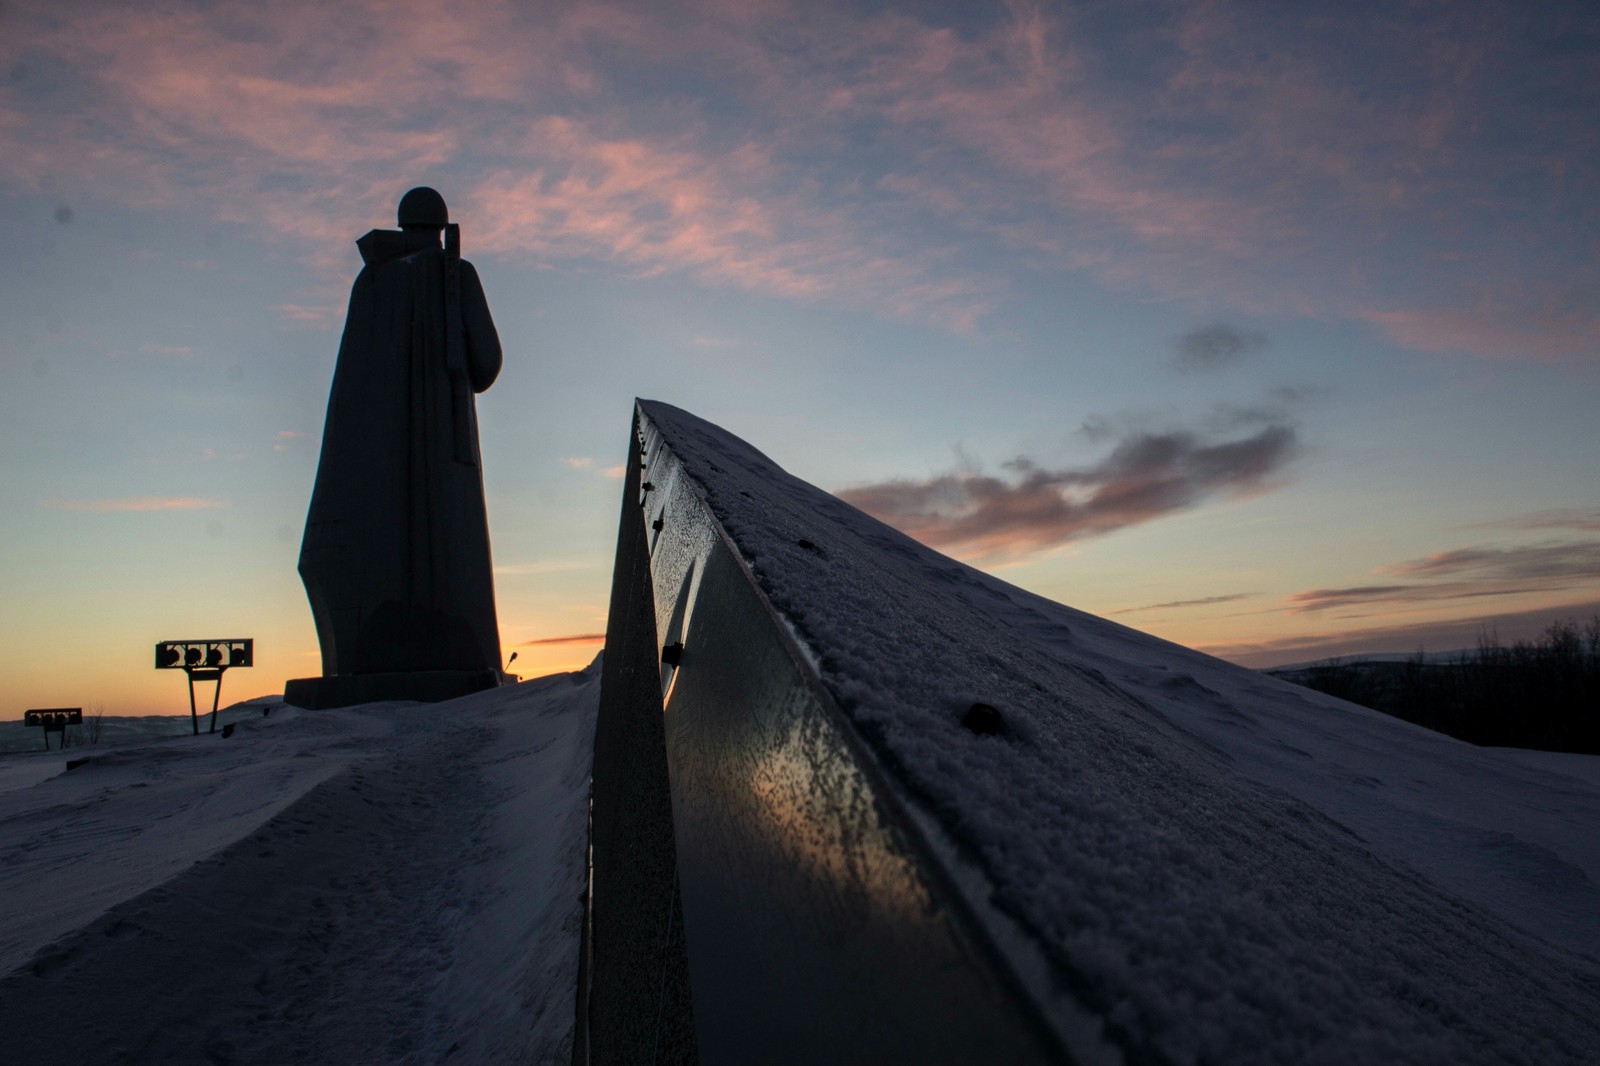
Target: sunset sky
{"x":1271,"y":329}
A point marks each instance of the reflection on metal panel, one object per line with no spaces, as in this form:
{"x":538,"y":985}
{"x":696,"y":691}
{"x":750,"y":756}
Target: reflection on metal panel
{"x":816,"y":925}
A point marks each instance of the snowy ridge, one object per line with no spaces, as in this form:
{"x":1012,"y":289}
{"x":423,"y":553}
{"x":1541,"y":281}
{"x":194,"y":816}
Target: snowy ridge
{"x":392,"y":883}
{"x":1226,"y":867}
{"x":788,"y":843}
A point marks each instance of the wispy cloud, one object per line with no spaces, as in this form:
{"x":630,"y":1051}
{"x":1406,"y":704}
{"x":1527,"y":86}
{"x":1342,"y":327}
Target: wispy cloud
{"x":1214,"y":347}
{"x":577,"y":638}
{"x":1356,"y":595}
{"x":1584,"y":518}
{"x":1146,"y":476}
{"x":1557,"y":329}
{"x":1467,"y":574}
{"x":1560,"y":559}
{"x":660,"y":207}
{"x":166,"y":349}
{"x":584,"y":462}
{"x":1204,"y":601}
{"x":133,"y":504}
{"x":887,"y":159}
{"x":304,"y":128}
{"x":309,"y":316}
{"x":1436,"y":636}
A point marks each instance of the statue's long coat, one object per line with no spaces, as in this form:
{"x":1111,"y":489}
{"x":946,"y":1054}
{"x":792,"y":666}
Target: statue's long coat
{"x":395,"y":558}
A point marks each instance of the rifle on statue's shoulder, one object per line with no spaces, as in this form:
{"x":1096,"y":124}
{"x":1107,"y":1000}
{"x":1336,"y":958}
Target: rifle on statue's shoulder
{"x":455,"y":347}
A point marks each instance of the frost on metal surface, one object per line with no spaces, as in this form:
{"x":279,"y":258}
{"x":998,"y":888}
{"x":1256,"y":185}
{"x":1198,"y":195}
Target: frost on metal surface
{"x":815,"y":927}
{"x":1218,"y":866}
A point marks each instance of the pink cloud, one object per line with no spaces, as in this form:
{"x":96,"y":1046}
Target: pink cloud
{"x":1549,"y":333}
{"x":1306,"y":161}
{"x":658,"y":207}
{"x":1466,"y":575}
{"x":305,"y":127}
{"x":1549,"y":560}
{"x":1146,"y":476}
{"x":133,"y":504}
{"x":279,"y":116}
{"x":309,"y":316}
{"x":1024,"y":100}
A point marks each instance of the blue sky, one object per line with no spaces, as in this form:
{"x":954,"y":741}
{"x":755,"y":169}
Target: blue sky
{"x":1272,"y":329}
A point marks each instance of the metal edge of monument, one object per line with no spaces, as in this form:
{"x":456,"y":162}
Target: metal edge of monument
{"x":817,"y":923}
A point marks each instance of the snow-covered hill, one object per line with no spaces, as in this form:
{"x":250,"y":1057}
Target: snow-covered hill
{"x":384,"y":884}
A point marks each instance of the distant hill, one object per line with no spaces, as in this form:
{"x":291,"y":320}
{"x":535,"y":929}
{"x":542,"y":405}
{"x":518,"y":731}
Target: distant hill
{"x":1542,"y":694}
{"x":1286,"y":669}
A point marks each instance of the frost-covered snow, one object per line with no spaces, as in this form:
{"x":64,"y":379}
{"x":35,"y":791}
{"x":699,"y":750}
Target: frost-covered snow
{"x":1226,"y":867}
{"x":389,"y":883}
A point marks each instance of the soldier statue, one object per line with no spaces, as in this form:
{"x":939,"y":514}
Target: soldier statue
{"x":395,"y":558}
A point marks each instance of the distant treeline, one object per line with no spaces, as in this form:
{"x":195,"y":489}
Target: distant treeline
{"x":1541,"y":694}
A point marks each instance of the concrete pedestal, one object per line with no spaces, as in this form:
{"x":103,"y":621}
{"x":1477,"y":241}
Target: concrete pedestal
{"x":427,"y":686}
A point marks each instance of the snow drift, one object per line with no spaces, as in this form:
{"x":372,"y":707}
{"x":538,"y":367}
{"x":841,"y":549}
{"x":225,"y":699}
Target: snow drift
{"x":394,"y":883}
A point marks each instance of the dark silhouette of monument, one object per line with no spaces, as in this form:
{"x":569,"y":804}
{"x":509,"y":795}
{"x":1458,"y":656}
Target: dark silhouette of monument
{"x":395,"y":558}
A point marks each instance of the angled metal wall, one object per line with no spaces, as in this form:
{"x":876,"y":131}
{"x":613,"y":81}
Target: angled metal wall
{"x":633,"y":994}
{"x":815,"y":924}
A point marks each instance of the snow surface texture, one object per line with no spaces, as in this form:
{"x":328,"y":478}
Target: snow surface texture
{"x":1226,"y":867}
{"x":393,"y":883}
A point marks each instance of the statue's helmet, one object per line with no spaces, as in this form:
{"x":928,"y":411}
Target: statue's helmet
{"x":423,"y":207}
